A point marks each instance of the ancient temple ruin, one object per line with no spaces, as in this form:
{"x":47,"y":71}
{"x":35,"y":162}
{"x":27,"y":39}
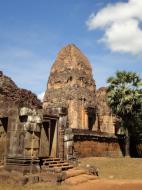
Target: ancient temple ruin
{"x":88,"y":123}
{"x":73,"y":121}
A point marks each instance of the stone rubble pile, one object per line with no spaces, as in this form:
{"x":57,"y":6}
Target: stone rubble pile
{"x":11,"y":93}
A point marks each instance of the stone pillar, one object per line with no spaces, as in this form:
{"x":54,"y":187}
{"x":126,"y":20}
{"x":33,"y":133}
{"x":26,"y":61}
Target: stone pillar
{"x":68,"y":142}
{"x":86,"y":119}
{"x":82,"y":117}
{"x":12,"y":133}
{"x":61,"y":132}
{"x":73,"y":115}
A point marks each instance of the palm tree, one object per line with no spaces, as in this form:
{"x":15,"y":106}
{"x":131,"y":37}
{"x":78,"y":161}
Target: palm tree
{"x":125,"y":99}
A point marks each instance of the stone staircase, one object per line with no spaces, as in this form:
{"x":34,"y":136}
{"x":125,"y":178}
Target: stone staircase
{"x":55,"y":164}
{"x":76,"y":176}
{"x":56,"y":170}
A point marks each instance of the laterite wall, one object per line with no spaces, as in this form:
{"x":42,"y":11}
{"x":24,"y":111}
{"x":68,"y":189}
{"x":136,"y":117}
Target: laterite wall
{"x":99,"y":147}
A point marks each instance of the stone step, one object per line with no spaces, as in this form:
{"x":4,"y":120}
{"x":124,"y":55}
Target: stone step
{"x":79,"y":179}
{"x":51,"y":159}
{"x":52,"y":162}
{"x":74,"y":172}
{"x":64,"y":167}
{"x":58,"y":165}
{"x":21,"y":161}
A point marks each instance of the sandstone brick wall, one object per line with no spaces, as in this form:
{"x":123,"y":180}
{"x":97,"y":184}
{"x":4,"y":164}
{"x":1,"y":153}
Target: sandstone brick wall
{"x":87,"y":148}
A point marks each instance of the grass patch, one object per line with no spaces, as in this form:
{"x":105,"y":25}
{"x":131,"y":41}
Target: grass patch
{"x":116,"y":168}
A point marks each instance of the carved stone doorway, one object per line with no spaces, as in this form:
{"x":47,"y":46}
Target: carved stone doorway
{"x":49,"y":138}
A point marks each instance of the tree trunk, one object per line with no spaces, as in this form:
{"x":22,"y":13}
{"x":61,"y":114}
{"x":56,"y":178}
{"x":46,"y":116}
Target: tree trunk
{"x":127,"y":144}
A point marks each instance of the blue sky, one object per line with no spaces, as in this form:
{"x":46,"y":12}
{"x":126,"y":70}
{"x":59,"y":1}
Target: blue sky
{"x":33,"y":31}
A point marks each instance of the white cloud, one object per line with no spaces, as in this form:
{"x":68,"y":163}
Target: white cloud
{"x":41,"y":96}
{"x":121,"y":25}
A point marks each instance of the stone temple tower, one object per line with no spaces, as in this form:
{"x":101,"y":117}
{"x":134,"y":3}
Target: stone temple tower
{"x":71,"y":86}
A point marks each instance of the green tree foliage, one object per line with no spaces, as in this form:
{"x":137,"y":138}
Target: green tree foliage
{"x":125,"y":100}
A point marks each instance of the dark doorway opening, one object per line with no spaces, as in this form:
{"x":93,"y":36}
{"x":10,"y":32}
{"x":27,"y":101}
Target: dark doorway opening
{"x":4,"y":122}
{"x":91,"y":118}
{"x":3,"y":136}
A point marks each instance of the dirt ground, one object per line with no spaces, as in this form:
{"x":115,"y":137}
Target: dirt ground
{"x":115,"y":174}
{"x":94,"y":185}
{"x":91,"y":185}
{"x":108,"y":185}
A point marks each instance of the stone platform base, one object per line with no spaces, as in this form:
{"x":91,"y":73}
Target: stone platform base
{"x":23,"y":165}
